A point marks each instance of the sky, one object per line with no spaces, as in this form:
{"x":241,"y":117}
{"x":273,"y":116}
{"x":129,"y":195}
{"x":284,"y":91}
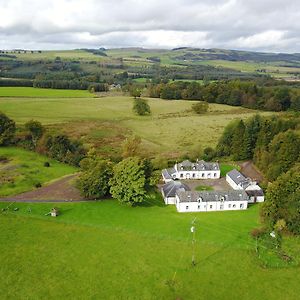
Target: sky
{"x":256,"y":25}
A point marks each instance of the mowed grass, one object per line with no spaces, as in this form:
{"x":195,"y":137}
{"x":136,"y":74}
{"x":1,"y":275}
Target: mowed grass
{"x":171,"y":129}
{"x":24,"y":169}
{"x":102,"y":250}
{"x":27,"y":92}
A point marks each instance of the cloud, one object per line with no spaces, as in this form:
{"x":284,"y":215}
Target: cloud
{"x":237,"y":24}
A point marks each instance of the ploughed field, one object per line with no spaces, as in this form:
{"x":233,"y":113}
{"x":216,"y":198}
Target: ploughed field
{"x":172,"y":129}
{"x":103,"y":250}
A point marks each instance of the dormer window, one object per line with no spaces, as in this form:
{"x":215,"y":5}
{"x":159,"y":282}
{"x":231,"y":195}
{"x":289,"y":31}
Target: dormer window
{"x":200,"y":199}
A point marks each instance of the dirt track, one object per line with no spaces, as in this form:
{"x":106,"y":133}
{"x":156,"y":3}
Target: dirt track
{"x":249,"y":170}
{"x":59,"y":191}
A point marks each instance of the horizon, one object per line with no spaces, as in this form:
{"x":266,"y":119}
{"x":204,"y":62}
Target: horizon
{"x":259,"y":26}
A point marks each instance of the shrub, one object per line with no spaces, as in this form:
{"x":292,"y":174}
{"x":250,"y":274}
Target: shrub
{"x":46,"y":164}
{"x":200,"y":107}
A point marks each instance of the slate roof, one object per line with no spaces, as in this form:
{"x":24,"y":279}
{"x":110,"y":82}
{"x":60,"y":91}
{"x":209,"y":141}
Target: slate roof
{"x":169,"y":189}
{"x":239,"y":178}
{"x":255,"y":193}
{"x":209,"y":196}
{"x":200,"y":165}
{"x":167,"y":173}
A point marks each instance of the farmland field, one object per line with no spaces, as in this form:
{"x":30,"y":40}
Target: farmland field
{"x":21,"y":170}
{"x":172,"y":128}
{"x":102,"y":250}
{"x":42,"y":93}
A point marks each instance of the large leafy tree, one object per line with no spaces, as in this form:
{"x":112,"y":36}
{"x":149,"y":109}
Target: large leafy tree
{"x":283,"y":200}
{"x":7,"y":129}
{"x":94,"y":179}
{"x":128,"y":184}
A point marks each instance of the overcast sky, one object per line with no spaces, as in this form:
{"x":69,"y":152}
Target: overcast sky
{"x":261,"y":25}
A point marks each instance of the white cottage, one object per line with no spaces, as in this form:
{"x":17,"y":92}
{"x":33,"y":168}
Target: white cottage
{"x":187,"y":201}
{"x":239,"y":182}
{"x":192,"y":170}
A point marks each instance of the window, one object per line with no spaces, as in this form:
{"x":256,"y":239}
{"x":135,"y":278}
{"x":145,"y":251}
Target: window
{"x":229,"y":205}
{"x":241,"y":205}
{"x":194,"y":175}
{"x":215,"y":174}
{"x":181,"y":175}
{"x":202,"y":174}
{"x":199,"y":206}
{"x":221,"y":206}
{"x":210,"y":206}
{"x":233,"y":205}
{"x":187,"y":207}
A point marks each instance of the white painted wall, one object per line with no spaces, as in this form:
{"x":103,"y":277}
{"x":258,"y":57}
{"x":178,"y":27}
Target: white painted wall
{"x":193,"y":174}
{"x":232,"y":183}
{"x":210,"y":206}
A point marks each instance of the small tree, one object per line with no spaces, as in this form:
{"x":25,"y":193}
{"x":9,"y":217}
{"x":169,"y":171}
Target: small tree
{"x":141,"y":107}
{"x":94,"y":180}
{"x":200,"y":107}
{"x":128,"y":184}
{"x":7,"y":129}
{"x":36,"y":130}
{"x":135,"y":92}
{"x":131,"y":146}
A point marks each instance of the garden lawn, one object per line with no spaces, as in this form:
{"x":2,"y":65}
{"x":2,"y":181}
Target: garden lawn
{"x":102,"y":250}
{"x":24,"y":169}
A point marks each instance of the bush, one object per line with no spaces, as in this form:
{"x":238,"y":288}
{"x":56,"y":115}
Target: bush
{"x":141,"y":107}
{"x":200,"y":107}
{"x":38,"y":185}
{"x":46,"y":164}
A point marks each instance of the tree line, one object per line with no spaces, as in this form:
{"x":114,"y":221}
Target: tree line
{"x":33,"y":136}
{"x":249,"y":94}
{"x":273,"y":143}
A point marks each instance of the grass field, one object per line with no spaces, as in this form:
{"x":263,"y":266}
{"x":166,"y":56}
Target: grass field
{"x":21,"y":170}
{"x":171,"y":129}
{"x":28,"y":92}
{"x":102,"y":250}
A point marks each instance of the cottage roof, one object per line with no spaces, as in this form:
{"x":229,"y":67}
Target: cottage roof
{"x":255,"y":193}
{"x":169,"y":189}
{"x":199,"y":165}
{"x":209,"y":196}
{"x":239,"y":178}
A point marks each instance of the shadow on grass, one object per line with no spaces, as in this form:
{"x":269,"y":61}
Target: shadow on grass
{"x":152,"y":199}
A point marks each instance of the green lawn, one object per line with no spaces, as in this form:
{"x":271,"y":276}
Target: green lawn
{"x":204,"y":188}
{"x":171,"y":130}
{"x":28,"y":92}
{"x":21,"y":170}
{"x":225,"y":168}
{"x":102,"y":250}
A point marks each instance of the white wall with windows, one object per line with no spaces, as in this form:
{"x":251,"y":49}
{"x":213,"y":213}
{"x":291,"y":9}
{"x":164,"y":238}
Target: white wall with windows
{"x":202,"y":206}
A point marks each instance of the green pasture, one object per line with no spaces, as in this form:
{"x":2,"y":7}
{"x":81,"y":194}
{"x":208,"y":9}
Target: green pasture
{"x":30,"y":92}
{"x":171,"y":129}
{"x":21,"y":170}
{"x":102,"y":250}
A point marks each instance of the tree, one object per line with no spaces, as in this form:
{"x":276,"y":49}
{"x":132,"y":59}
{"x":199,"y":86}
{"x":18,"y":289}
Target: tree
{"x":283,"y":201}
{"x":128,"y":184}
{"x":94,"y":179}
{"x":141,"y":107}
{"x":7,"y":129}
{"x":135,"y":92}
{"x":200,"y":107}
{"x":238,"y":148}
{"x":36,"y":131}
{"x":131,"y":146}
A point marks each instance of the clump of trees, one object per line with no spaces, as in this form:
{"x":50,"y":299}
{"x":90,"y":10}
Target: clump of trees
{"x":273,"y":143}
{"x":141,"y":107}
{"x":7,"y":129}
{"x":282,"y":205}
{"x":94,"y":179}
